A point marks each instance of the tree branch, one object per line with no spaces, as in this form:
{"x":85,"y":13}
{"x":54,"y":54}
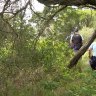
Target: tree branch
{"x":45,"y":24}
{"x":20,"y":10}
{"x":36,"y":12}
{"x":14,"y":13}
{"x":64,"y":2}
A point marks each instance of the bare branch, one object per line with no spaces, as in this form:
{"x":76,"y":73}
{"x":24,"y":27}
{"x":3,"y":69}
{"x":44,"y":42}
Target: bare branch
{"x":4,"y":8}
{"x":6,"y":4}
{"x":45,"y":24}
{"x":9,"y":3}
{"x":24,"y":7}
{"x":20,"y":10}
{"x":36,"y":12}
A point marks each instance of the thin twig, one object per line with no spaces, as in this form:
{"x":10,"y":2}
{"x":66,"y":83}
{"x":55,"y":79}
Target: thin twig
{"x":36,"y":12}
{"x":46,"y":23}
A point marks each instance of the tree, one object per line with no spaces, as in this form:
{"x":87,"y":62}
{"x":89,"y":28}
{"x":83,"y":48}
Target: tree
{"x":88,"y":3}
{"x":68,"y":2}
{"x":13,"y":8}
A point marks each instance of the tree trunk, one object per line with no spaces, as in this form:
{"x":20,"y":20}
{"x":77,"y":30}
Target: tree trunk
{"x":68,"y":2}
{"x":75,"y":59}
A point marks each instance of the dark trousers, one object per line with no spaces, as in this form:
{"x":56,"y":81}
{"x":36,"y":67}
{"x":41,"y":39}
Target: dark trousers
{"x":93,"y":62}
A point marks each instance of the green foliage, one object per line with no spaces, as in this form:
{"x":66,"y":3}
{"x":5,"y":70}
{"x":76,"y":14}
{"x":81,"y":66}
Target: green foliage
{"x":88,"y":31}
{"x":70,"y":17}
{"x":27,"y":69}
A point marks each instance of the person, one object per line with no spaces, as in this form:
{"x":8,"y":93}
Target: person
{"x":92,"y":55}
{"x":76,"y":40}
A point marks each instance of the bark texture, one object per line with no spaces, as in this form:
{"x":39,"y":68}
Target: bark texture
{"x":75,"y":59}
{"x":68,"y":2}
